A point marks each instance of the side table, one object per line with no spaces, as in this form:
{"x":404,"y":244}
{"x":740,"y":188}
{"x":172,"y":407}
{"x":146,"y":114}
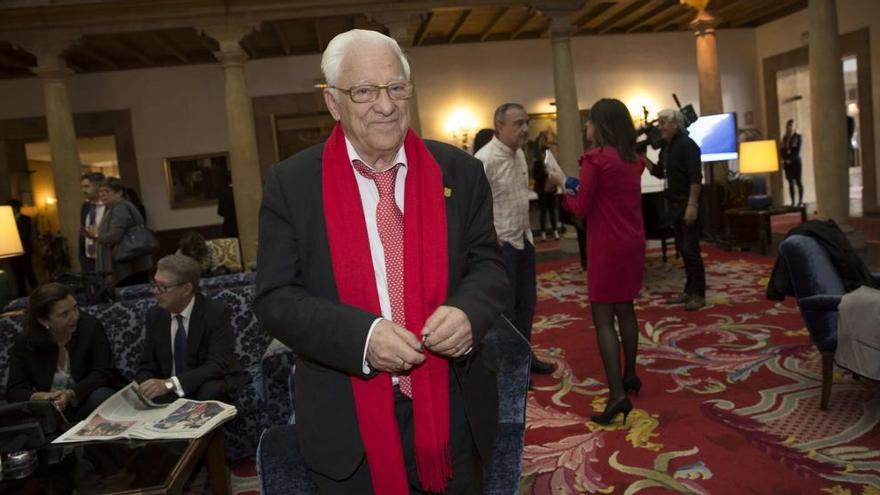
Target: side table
{"x":745,"y":226}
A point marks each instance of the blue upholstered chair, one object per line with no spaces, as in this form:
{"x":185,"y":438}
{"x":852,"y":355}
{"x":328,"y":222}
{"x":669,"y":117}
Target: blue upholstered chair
{"x":818,"y":289}
{"x":282,"y":471}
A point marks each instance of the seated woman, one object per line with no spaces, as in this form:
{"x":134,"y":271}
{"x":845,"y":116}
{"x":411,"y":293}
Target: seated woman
{"x":193,"y":245}
{"x":62,"y":355}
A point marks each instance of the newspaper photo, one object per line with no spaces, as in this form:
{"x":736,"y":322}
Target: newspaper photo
{"x":128,"y":414}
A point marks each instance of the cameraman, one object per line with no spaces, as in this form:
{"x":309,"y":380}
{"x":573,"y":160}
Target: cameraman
{"x":680,"y":164}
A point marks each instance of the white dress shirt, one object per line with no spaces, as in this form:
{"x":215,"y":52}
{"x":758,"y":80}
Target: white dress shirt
{"x":99,"y":214}
{"x":508,"y":174}
{"x":186,"y":314}
{"x":370,"y":201}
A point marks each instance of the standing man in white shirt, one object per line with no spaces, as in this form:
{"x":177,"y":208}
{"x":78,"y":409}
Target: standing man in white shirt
{"x":508,"y":173}
{"x":90,"y":214}
{"x":189,"y":341}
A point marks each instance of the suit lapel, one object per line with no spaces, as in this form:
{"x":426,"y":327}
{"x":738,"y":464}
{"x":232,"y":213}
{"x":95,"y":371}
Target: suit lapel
{"x":163,"y":343}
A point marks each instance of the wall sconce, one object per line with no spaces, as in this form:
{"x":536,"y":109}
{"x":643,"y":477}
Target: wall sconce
{"x":50,"y":201}
{"x":462,"y":125}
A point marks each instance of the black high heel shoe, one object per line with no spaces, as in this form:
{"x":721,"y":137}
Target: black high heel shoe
{"x":632,"y":384}
{"x":611,"y":410}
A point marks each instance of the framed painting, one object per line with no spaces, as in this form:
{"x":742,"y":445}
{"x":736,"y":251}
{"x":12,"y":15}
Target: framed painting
{"x":197,"y":180}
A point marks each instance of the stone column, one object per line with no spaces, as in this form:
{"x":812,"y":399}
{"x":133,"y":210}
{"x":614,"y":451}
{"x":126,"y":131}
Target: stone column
{"x":707,"y":63}
{"x":66,"y":170}
{"x":568,"y":120}
{"x":398,"y":28}
{"x":828,"y":114}
{"x":247,"y":185}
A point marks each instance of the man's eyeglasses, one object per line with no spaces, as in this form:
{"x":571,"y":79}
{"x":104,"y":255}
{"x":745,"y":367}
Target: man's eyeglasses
{"x":368,"y":93}
{"x":161,"y":289}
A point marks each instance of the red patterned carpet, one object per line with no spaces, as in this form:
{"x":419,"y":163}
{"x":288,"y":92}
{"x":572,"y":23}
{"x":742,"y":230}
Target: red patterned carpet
{"x":729,"y":403}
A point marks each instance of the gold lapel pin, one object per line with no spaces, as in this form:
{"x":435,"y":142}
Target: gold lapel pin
{"x":447,"y":191}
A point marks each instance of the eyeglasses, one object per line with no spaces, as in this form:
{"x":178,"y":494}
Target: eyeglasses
{"x":368,"y":93}
{"x":161,"y":289}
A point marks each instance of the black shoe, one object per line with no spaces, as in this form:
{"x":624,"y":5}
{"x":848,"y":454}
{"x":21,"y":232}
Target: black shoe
{"x":695,"y":303}
{"x":632,"y":384}
{"x":679,"y":299}
{"x":531,"y":384}
{"x":622,"y":406}
{"x":540,"y":367}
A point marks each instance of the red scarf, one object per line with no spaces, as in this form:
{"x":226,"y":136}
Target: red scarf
{"x":425,"y":284}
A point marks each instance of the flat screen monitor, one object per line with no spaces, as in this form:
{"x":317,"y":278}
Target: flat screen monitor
{"x":716,"y":136}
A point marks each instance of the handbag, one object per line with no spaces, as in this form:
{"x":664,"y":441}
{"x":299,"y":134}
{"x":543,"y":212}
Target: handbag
{"x":137,"y":241}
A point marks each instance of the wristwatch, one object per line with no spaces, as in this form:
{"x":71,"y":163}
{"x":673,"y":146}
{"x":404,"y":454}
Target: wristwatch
{"x":169,"y":385}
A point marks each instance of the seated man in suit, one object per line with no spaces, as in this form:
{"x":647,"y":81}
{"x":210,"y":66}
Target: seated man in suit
{"x":189,"y":342}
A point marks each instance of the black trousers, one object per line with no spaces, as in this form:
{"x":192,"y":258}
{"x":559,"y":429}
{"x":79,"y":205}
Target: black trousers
{"x":687,"y":239}
{"x":23,"y":269}
{"x":467,"y":471}
{"x":547,"y":209}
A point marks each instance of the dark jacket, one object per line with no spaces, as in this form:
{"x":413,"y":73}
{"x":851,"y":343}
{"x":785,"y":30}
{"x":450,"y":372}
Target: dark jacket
{"x":297,"y":303}
{"x":31,"y":368}
{"x":209,"y":347}
{"x":679,"y":163}
{"x":25,"y":225}
{"x":117,"y":219}
{"x":846,"y":261}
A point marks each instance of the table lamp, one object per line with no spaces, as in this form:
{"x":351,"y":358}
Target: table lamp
{"x":759,"y":157}
{"x":10,"y":245}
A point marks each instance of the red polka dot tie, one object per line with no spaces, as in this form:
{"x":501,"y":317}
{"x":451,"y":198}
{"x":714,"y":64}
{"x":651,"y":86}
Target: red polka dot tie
{"x":389,"y":221}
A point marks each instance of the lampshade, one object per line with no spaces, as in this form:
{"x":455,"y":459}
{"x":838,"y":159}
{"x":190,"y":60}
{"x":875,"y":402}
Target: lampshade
{"x":758,"y":157}
{"x":10,"y":243}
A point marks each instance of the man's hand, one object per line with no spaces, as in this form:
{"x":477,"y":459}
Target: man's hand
{"x":152,"y":388}
{"x":447,"y":332}
{"x":393,"y":348}
{"x":46,"y":395}
{"x":556,"y":176}
{"x":64,"y":399}
{"x":690,"y":214}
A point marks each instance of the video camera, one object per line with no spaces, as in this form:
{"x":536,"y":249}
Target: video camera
{"x":652,"y":132}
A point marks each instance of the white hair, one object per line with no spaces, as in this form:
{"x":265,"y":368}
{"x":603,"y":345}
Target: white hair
{"x":673,"y":115}
{"x":331,"y":61}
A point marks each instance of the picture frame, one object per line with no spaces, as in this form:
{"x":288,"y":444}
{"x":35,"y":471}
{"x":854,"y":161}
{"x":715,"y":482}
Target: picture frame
{"x":196,"y":181}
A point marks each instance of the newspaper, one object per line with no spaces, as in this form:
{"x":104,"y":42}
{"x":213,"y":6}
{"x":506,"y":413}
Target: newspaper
{"x":128,"y":414}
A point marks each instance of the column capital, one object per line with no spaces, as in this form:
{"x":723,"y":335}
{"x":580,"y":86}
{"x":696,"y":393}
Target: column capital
{"x":559,"y":13}
{"x":228,"y":36}
{"x":48,"y":47}
{"x":704,"y":23}
{"x":398,"y":25}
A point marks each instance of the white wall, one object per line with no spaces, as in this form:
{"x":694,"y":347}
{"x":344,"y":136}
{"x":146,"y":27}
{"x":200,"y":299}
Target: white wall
{"x":785,"y":34}
{"x":180,"y":110}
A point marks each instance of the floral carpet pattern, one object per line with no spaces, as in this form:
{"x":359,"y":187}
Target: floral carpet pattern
{"x":729,"y":402}
{"x":729,"y":405}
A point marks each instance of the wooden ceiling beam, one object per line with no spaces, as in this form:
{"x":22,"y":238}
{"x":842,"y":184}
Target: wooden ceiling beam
{"x":624,"y":14}
{"x":10,"y":60}
{"x":772,"y":11}
{"x":90,"y":51}
{"x":525,"y":22}
{"x":459,"y":24}
{"x":248,"y":48}
{"x":594,"y":23}
{"x":592,"y":12}
{"x":168,"y":47}
{"x":675,"y":22}
{"x":423,"y":29}
{"x":494,"y":22}
{"x":282,"y":38}
{"x":674,"y":12}
{"x":658,"y":9}
{"x":130,"y":48}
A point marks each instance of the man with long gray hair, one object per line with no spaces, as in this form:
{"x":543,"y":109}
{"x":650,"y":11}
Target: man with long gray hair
{"x":379,"y":267}
{"x":679,"y":163}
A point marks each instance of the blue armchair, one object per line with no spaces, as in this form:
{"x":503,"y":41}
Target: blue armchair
{"x":818,"y":289}
{"x":282,"y":470}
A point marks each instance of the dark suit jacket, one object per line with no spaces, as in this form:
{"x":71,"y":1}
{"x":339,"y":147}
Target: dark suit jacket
{"x":209,"y":347}
{"x":298,"y":304}
{"x":91,"y":363}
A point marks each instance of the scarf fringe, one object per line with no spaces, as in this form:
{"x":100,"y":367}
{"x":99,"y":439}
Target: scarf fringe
{"x":434,"y":468}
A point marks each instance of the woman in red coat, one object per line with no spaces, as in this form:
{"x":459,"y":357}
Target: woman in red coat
{"x":609,"y":198}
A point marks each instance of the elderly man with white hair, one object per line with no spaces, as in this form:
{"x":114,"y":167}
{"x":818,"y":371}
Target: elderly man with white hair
{"x":379,"y":266}
{"x":680,"y":164}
